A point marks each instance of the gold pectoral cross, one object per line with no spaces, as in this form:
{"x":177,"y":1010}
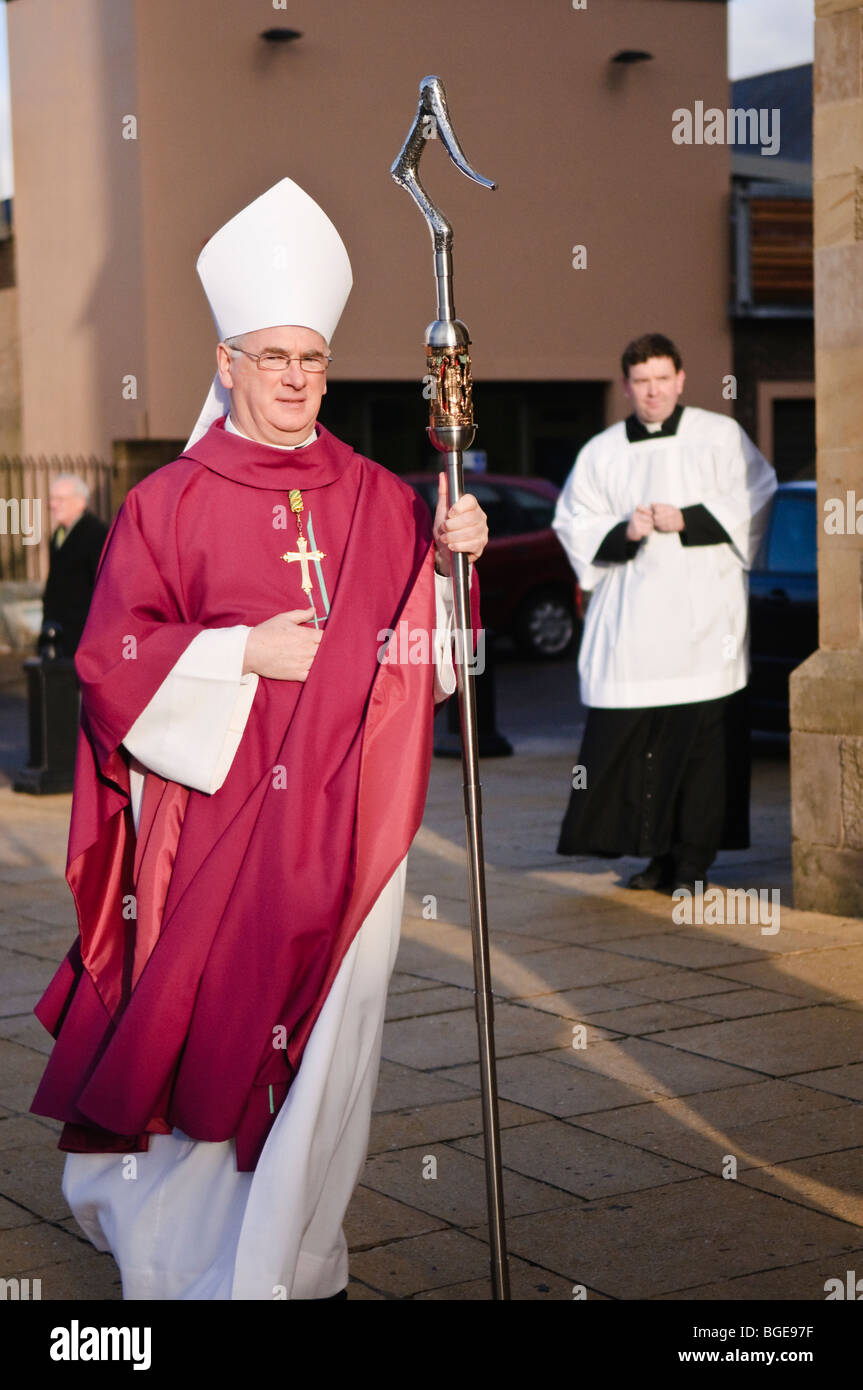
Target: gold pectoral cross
{"x":303,"y":556}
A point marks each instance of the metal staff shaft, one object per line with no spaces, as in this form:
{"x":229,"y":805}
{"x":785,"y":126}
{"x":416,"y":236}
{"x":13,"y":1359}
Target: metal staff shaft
{"x":451,"y":430}
{"x":477,"y":897}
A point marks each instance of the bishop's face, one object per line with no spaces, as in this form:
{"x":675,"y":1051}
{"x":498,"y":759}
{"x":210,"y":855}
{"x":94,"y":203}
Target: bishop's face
{"x":274,"y":407}
{"x":654,"y":387}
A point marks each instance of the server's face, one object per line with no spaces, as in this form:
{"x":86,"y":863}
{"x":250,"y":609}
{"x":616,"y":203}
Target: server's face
{"x":274,"y":407}
{"x":654,"y":387}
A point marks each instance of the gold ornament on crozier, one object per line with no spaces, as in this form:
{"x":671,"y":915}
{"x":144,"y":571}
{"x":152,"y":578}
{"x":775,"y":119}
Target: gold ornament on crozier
{"x":452,"y":401}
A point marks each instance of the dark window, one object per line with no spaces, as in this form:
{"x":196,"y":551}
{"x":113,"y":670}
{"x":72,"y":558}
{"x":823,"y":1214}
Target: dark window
{"x":501,"y":522}
{"x":535,"y":511}
{"x":794,"y":438}
{"x":792,"y":545}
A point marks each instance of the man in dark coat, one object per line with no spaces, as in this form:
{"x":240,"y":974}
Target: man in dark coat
{"x":76,"y":544}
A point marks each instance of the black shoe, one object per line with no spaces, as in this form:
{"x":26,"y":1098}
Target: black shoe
{"x":658,"y":874}
{"x":694,"y":883}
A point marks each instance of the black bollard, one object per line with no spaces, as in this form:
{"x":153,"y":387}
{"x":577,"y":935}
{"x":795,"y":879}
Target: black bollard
{"x":490,"y":742}
{"x":53,"y":705}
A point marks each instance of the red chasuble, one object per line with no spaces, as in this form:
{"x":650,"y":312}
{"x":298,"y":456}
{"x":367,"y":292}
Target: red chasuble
{"x":218,"y":930}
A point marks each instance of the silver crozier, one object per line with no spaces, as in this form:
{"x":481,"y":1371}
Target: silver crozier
{"x":451,"y":429}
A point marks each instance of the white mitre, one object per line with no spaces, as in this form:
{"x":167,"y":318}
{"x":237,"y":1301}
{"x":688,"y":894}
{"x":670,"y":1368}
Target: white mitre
{"x":279,"y":261}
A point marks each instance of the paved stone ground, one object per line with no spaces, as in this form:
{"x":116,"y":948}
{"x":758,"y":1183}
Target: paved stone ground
{"x":707,"y":1046}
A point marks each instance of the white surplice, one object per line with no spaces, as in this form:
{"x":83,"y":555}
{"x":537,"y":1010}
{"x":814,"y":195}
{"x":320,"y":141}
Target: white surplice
{"x":670,"y":626}
{"x":180,"y":1221}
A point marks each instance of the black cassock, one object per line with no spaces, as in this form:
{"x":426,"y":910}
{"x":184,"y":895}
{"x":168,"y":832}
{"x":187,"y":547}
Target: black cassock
{"x":670,"y":780}
{"x":72,"y":577}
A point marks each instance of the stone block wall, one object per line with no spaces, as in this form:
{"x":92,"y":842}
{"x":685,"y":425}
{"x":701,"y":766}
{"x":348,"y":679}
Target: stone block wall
{"x":827,"y":690}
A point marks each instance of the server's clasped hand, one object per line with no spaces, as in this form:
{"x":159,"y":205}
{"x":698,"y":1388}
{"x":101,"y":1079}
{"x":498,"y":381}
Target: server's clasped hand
{"x":659,"y":516}
{"x":462,"y":527}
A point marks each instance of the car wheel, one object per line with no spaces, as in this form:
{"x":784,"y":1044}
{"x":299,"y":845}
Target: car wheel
{"x":544,"y":626}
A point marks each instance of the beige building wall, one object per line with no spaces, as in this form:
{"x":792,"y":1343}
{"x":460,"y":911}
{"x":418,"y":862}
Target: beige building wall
{"x":109,"y":229}
{"x":77,"y":222}
{"x":10,"y":373}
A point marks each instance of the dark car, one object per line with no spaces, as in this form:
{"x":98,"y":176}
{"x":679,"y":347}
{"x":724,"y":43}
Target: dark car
{"x":783,"y":602}
{"x":527,"y":586}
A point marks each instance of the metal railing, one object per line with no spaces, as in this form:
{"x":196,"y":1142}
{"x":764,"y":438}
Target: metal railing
{"x":25,"y":518}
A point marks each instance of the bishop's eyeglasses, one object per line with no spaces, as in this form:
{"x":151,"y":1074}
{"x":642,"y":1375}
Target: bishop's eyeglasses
{"x":280,"y":361}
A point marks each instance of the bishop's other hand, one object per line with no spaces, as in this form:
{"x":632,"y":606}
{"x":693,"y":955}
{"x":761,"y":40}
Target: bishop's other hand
{"x":463,"y":527}
{"x":282,"y":648}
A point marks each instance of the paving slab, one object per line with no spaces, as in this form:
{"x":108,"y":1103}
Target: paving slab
{"x":828,"y":1182}
{"x":32,"y":1246}
{"x":562,"y":968}
{"x":705,"y":949}
{"x":89,"y":1275}
{"x":454,"y":938}
{"x":401,"y":983}
{"x":373,"y":1219}
{"x":690,"y":1138}
{"x":582,"y":1003}
{"x":411,"y":1266}
{"x":429,"y":1124}
{"x":588,"y":1165}
{"x":457,"y":1194}
{"x":550,"y":1085}
{"x":528,"y":1283}
{"x":49,"y":901}
{"x":679,"y":1237}
{"x":22,"y":977}
{"x":20,"y":1131}
{"x":20,"y":1073}
{"x":435,"y":1000}
{"x":442,"y":1040}
{"x":841,"y":1081}
{"x":44,"y":904}
{"x":13,"y":1215}
{"x":656,"y":1066}
{"x":28,"y":1032}
{"x":42,"y":942}
{"x":800,"y":1282}
{"x":401,"y":1086}
{"x":753,"y":1103}
{"x":519,"y":975}
{"x":778,"y":1043}
{"x":820,"y":975}
{"x":670,"y":983}
{"x":32,"y":1175}
{"x":361,"y":1293}
{"x":655,"y":1017}
{"x":743,"y":1003}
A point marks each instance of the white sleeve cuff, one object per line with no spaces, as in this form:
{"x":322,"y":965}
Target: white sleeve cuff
{"x":445,"y":678}
{"x":191,"y":729}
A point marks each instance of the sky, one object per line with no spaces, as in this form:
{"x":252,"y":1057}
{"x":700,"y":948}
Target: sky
{"x":768,"y":34}
{"x":762,"y":35}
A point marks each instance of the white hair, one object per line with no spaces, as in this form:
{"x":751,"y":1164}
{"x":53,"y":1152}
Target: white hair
{"x":79,"y":488}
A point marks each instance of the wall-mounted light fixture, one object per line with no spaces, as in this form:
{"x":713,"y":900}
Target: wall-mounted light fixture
{"x":632,"y":55}
{"x":281,"y":35}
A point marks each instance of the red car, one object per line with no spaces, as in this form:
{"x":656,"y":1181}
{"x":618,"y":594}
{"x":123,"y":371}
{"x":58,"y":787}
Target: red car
{"x":527,"y":588}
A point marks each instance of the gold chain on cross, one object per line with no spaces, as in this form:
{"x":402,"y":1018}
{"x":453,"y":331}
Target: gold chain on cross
{"x":302,"y":555}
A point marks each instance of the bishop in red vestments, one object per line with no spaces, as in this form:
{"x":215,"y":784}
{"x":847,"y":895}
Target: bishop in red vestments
{"x":250,"y":776}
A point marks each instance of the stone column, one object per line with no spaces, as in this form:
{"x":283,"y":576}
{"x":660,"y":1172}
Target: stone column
{"x":827,"y":690}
